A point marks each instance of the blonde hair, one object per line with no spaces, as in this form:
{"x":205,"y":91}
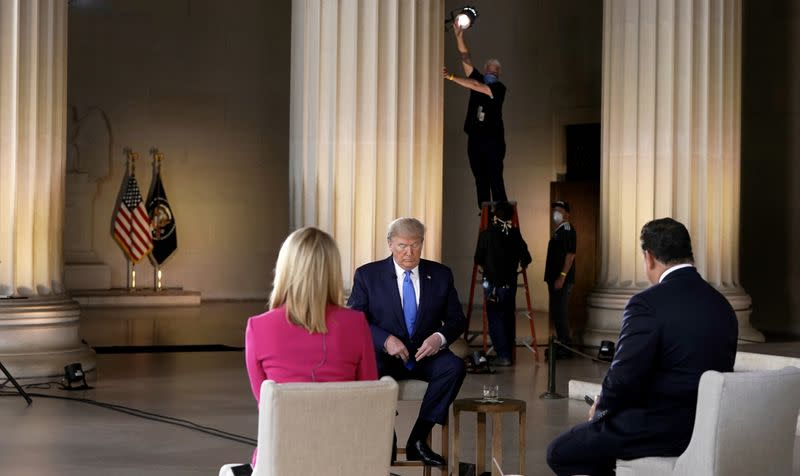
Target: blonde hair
{"x":308,"y":277}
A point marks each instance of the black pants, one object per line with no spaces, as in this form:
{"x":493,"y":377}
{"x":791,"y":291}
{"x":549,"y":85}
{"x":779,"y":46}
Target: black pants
{"x":559,"y":311}
{"x":585,"y":449}
{"x":500,"y":312}
{"x":486,"y":161}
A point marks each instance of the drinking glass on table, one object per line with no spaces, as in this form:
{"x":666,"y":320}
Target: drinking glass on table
{"x":491,"y":393}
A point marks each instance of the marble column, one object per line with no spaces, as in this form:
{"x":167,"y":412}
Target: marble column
{"x":38,"y":321}
{"x":670,"y":146}
{"x":366,"y":121}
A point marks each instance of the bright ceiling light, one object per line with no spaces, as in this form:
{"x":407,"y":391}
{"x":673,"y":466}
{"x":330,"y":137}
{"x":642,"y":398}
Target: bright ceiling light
{"x":463,"y":17}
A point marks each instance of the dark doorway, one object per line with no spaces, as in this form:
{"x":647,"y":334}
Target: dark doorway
{"x":583,"y":152}
{"x":580,"y":186}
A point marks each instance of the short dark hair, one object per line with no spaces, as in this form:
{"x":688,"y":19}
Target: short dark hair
{"x":504,"y":210}
{"x":668,"y":241}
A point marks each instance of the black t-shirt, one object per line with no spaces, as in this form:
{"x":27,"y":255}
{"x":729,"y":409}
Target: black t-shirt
{"x":500,"y":255}
{"x":485,"y":114}
{"x":562,"y":242}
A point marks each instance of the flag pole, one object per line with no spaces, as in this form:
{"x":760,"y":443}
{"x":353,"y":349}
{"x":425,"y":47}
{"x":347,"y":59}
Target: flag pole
{"x":162,"y":222}
{"x":157,"y":279}
{"x":131,"y":266}
{"x":128,"y":152}
{"x":157,"y":156}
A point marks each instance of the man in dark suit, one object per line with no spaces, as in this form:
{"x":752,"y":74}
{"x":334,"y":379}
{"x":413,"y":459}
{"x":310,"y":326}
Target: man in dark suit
{"x":414,"y":313}
{"x":671,"y":333}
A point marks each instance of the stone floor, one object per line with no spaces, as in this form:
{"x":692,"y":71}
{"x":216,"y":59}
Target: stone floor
{"x":56,"y":437}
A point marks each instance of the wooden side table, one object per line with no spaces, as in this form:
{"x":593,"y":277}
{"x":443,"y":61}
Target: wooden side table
{"x":496,"y":410}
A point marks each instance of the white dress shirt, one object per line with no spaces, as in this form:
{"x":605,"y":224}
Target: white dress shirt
{"x":674,"y":268}
{"x":400,"y":273}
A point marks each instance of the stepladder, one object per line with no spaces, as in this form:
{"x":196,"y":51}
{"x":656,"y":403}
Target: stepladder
{"x":527,"y":311}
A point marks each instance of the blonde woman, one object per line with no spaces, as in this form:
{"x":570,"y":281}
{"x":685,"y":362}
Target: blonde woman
{"x":307,"y":336}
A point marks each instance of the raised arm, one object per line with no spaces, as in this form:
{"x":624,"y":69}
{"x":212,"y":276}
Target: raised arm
{"x":469,"y":83}
{"x":463,"y":51}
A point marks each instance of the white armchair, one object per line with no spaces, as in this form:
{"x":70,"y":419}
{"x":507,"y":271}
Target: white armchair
{"x":322,"y":429}
{"x":745,"y":425}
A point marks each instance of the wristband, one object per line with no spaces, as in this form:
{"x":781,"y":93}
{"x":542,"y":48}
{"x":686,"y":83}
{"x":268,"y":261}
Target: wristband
{"x":450,"y":77}
{"x":563,"y":274}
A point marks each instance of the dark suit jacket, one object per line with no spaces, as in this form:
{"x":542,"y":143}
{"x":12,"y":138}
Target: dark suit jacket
{"x":375,"y":294}
{"x":671,"y":333}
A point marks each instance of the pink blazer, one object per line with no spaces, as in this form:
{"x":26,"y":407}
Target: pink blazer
{"x":278,"y":350}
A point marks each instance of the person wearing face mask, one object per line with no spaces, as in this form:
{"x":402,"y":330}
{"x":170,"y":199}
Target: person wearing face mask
{"x":559,"y":272}
{"x":486,"y":143}
{"x":671,"y":333}
{"x":500,"y":252}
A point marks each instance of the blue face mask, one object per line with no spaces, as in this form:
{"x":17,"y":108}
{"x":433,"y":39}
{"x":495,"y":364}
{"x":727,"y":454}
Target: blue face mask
{"x":489,"y":78}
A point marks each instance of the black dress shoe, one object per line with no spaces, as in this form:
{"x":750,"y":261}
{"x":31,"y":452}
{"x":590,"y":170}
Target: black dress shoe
{"x":420,"y":451}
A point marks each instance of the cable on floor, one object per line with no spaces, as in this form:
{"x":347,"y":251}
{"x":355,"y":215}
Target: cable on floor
{"x":146,"y":415}
{"x":38,"y":386}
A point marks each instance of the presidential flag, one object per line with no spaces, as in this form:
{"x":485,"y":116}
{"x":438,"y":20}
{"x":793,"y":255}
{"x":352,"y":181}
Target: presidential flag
{"x":131,"y":223}
{"x":165,"y":238}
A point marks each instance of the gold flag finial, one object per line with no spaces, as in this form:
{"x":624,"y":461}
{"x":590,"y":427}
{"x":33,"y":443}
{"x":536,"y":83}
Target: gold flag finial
{"x":157,"y":158}
{"x":132,"y":157}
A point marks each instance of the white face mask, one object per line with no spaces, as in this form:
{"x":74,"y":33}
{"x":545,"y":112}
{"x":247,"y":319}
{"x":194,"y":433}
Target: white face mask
{"x":558,"y":217}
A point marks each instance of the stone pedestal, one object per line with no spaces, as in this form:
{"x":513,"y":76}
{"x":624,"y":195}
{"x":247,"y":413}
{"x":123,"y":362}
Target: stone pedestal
{"x":366,"y":121}
{"x":39,"y":330}
{"x":38,"y":337}
{"x":670,"y":146}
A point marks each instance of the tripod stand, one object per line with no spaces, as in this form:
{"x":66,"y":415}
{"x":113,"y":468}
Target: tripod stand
{"x":14,"y":382}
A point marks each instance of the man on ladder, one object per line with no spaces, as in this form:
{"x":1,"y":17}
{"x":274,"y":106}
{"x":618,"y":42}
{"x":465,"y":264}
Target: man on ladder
{"x":500,"y":251}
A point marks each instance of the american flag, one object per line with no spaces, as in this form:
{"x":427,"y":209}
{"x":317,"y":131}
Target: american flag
{"x":132,"y":228}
